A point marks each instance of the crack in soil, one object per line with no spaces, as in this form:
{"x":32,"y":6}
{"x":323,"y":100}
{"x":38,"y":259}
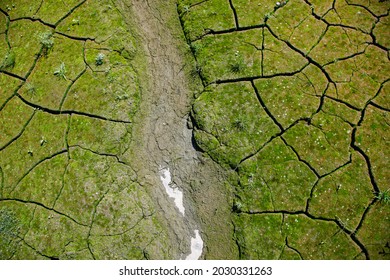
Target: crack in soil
{"x":358,"y":50}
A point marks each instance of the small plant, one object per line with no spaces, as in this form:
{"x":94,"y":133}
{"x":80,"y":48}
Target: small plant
{"x":280,"y":4}
{"x":46,"y":41}
{"x":9,"y":233}
{"x":99,"y":59}
{"x":384,"y":196}
{"x":235,"y":67}
{"x":30,"y":88}
{"x":75,"y":21}
{"x":237,"y":207}
{"x":196,"y":72}
{"x":9,"y":60}
{"x":238,"y":64}
{"x":239,"y":124}
{"x":61,"y":71}
{"x":8,"y":225}
{"x":196,"y":48}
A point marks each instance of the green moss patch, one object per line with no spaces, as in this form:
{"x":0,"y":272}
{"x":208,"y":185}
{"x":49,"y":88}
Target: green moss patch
{"x":274,"y":180}
{"x":257,"y":232}
{"x":199,"y":18}
{"x":344,"y":195}
{"x":316,"y":239}
{"x":238,"y":122}
{"x":229,"y":56}
{"x":98,"y":135}
{"x":323,"y":147}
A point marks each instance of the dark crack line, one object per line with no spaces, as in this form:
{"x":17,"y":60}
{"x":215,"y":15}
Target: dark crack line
{"x":265,"y":108}
{"x":363,"y":7}
{"x":279,"y":134}
{"x":34,"y":19}
{"x":345,"y":57}
{"x":366,"y":158}
{"x":292,"y":248}
{"x":307,"y":57}
{"x":62,"y":183}
{"x":39,"y":7}
{"x":116,"y":157}
{"x":7,"y":24}
{"x":20,"y":132}
{"x":209,"y":31}
{"x":322,"y":18}
{"x":1,"y":182}
{"x":93,"y":221}
{"x":8,"y":100}
{"x":364,"y":215}
{"x":68,"y":112}
{"x":351,"y":124}
{"x":43,"y":206}
{"x":350,"y":233}
{"x":12,"y":75}
{"x":76,"y":38}
{"x":34,"y":166}
{"x":69,"y":12}
{"x":198,"y":3}
{"x":344,"y":102}
{"x":234,"y":14}
{"x":318,"y":40}
{"x":38,"y":56}
{"x":249,"y":79}
{"x":239,"y":249}
{"x":299,"y":157}
{"x":379,"y":106}
{"x":308,"y":201}
{"x":37,"y":251}
{"x":69,"y":87}
{"x":338,"y":168}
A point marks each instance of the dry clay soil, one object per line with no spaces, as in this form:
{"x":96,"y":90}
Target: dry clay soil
{"x":166,"y":141}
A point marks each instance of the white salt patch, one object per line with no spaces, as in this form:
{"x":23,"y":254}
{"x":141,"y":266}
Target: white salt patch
{"x":196,"y":247}
{"x":175,"y":193}
{"x":172,"y":190}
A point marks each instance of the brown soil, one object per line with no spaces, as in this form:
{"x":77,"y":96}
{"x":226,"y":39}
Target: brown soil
{"x":162,"y":138}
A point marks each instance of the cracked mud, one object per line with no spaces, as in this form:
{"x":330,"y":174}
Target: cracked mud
{"x":88,"y":114}
{"x":294,"y":102}
{"x":289,"y":118}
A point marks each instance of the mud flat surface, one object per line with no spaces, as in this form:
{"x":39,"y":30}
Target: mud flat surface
{"x":166,"y":144}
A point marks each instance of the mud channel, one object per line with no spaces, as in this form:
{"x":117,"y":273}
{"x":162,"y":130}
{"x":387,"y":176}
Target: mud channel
{"x":167,"y":162}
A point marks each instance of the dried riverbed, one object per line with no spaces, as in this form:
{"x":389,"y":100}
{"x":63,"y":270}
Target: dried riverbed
{"x":168,"y":163}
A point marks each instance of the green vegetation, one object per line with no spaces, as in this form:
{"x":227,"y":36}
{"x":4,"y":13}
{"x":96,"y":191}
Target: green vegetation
{"x":99,"y":59}
{"x":61,"y":71}
{"x":384,"y":196}
{"x":9,"y":61}
{"x":9,"y":230}
{"x":295,"y":102}
{"x":47,"y":42}
{"x":294,"y":105}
